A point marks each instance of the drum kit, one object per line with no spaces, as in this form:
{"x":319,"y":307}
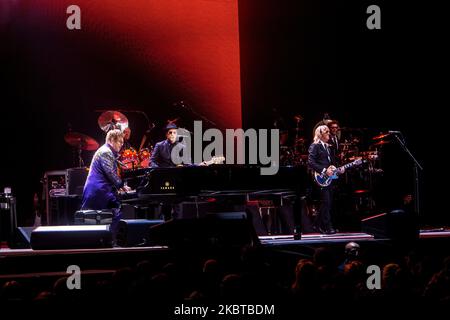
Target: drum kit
{"x":294,"y":154}
{"x":129,"y":158}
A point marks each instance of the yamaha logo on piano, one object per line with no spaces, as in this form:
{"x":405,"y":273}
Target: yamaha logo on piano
{"x":168,"y":186}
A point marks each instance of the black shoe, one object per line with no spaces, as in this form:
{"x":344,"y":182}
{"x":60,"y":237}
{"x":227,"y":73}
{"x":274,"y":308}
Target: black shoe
{"x":331,"y":231}
{"x":114,"y":244}
{"x":327,"y":231}
{"x":322,"y":230}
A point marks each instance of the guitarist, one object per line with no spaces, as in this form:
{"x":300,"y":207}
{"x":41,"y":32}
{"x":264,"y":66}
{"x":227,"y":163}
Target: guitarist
{"x":322,"y":159}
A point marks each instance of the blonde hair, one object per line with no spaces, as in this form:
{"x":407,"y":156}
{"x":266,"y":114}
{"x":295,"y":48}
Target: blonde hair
{"x":114,"y":135}
{"x":318,"y":134}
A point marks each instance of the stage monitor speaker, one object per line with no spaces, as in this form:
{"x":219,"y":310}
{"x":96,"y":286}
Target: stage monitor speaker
{"x":21,"y":238}
{"x":71,"y":237}
{"x":135,"y":232}
{"x":215,"y":230}
{"x":395,"y":225}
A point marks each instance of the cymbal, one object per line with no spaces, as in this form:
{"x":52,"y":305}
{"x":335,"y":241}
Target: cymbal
{"x":111,"y":118}
{"x":381,"y":136}
{"x":298,"y":118}
{"x":380,"y":143}
{"x":169,"y":121}
{"x":82,"y":141}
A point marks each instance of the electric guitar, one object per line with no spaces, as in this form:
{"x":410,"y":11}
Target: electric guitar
{"x":324,"y":181}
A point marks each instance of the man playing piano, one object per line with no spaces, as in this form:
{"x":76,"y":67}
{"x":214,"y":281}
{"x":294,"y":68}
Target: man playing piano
{"x":103,"y":181}
{"x":162,"y":158}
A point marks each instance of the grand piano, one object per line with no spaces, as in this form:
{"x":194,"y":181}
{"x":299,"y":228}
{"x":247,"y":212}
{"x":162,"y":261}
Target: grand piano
{"x":214,"y":179}
{"x":224,"y":188}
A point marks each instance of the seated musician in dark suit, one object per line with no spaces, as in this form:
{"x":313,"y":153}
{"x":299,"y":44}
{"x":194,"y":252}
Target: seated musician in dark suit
{"x":162,"y":158}
{"x":162,"y":153}
{"x":103,"y":181}
{"x":321,"y":159}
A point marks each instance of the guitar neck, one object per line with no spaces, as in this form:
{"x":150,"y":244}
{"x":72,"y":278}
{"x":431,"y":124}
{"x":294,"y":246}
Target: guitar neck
{"x":351,"y":164}
{"x":346,"y":166}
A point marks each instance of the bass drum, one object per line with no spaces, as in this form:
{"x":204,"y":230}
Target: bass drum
{"x":144,"y":157}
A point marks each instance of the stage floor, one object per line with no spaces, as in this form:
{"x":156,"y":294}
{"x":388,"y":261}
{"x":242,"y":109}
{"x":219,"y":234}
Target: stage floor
{"x":23,"y":263}
{"x":275,"y":240}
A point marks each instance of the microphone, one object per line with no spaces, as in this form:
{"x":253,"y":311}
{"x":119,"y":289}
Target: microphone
{"x":394,"y":132}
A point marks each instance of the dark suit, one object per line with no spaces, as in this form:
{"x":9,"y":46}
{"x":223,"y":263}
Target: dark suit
{"x":319,"y":159}
{"x":162,"y":154}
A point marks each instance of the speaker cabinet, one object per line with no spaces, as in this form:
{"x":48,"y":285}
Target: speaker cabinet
{"x":135,"y":232}
{"x":71,"y":237}
{"x":62,"y":209}
{"x":395,"y":225}
{"x":75,"y":180}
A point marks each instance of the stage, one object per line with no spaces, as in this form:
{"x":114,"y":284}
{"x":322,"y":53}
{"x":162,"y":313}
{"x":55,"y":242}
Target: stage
{"x":24,"y":262}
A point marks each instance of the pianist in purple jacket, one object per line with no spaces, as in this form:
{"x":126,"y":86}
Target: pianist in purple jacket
{"x":103,"y":181}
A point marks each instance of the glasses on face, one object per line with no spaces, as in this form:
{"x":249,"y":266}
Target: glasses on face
{"x":172,"y":132}
{"x":334,"y":127}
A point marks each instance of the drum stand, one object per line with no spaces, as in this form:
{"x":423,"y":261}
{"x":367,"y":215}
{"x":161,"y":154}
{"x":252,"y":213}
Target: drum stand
{"x":80,"y":159}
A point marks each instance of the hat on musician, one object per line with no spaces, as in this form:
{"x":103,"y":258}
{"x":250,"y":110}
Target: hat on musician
{"x":170,"y":126}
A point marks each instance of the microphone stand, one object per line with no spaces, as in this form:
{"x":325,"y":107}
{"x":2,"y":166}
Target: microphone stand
{"x":416,"y":168}
{"x":182,"y":105}
{"x":203,"y":118}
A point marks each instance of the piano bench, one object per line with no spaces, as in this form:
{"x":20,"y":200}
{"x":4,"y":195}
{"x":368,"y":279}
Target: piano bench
{"x":93,"y":217}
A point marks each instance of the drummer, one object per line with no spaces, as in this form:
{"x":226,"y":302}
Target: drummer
{"x":126,"y":139}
